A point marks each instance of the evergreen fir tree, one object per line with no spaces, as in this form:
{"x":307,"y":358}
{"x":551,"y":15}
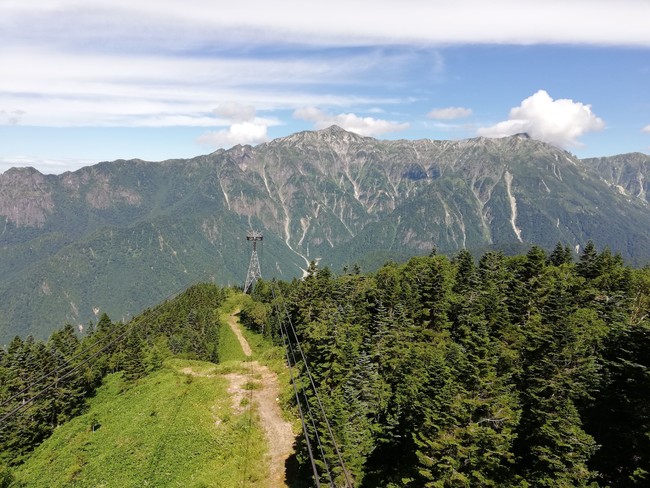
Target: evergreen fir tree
{"x":133,"y":366}
{"x":587,"y":267}
{"x":560,"y":255}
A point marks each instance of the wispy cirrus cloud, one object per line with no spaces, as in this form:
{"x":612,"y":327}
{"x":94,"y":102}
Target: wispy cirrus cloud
{"x":646,"y":129}
{"x":164,"y":62}
{"x":51,"y":88}
{"x":192,"y":22}
{"x":11,"y":117}
{"x":234,"y":111}
{"x":449,"y":113}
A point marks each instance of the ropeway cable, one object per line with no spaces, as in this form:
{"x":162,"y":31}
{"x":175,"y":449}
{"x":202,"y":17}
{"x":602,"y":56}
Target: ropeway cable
{"x":295,"y":391}
{"x":58,"y":368}
{"x":250,"y":420}
{"x":320,"y":404}
{"x":302,"y":417}
{"x":26,"y":403}
{"x":313,"y":422}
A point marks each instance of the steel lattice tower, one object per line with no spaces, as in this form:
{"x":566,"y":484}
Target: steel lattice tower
{"x":254,"y":272}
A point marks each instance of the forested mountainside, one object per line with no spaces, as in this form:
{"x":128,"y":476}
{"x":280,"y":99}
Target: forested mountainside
{"x":523,"y":371}
{"x":530,"y":370}
{"x":117,"y":237}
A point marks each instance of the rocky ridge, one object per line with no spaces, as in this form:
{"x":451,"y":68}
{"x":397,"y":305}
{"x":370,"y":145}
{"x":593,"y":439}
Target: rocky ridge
{"x":118,"y":236}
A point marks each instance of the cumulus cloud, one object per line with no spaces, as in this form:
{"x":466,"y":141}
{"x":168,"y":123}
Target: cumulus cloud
{"x":239,"y":133}
{"x":646,"y":129}
{"x":365,"y":126}
{"x":560,"y":122}
{"x":245,"y":126}
{"x":449,"y":113}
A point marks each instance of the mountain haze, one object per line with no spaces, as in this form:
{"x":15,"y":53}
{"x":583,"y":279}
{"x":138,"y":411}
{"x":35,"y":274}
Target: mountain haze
{"x":119,"y":236}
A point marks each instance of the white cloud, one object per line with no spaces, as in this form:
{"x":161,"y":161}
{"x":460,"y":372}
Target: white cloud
{"x":236,"y":112}
{"x":365,"y":126}
{"x":62,"y":89}
{"x":245,"y":127}
{"x":120,"y":62}
{"x":646,"y":129}
{"x":560,"y":122}
{"x":601,"y":22}
{"x":449,"y":113}
{"x":239,"y":133}
{"x":11,"y":117}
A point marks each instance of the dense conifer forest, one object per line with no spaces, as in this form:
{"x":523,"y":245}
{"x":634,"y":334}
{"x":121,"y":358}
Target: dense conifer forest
{"x":529,"y":370}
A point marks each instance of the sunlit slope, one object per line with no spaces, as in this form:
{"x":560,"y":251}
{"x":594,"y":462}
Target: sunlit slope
{"x":176,"y":427}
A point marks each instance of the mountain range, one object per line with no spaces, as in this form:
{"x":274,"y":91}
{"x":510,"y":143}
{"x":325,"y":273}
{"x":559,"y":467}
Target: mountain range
{"x":119,"y":236}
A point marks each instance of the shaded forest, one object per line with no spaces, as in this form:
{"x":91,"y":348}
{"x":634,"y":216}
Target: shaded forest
{"x":522,"y":371}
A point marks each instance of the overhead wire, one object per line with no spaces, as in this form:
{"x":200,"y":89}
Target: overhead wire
{"x":58,"y":368}
{"x":316,"y":394}
{"x":313,"y":422}
{"x":250,"y":406}
{"x":286,"y":338}
{"x":27,"y":403}
{"x":318,"y":399}
{"x":295,"y":391}
{"x":250,"y":419}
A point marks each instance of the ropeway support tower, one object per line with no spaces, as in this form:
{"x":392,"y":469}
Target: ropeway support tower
{"x":254,"y":272}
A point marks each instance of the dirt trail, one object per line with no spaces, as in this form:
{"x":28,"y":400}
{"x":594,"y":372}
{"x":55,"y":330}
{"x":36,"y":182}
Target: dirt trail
{"x":234,"y":325}
{"x":265,"y":396}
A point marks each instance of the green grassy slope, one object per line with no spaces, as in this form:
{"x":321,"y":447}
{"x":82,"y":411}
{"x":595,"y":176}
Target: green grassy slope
{"x":172,"y":429}
{"x":175,"y":427}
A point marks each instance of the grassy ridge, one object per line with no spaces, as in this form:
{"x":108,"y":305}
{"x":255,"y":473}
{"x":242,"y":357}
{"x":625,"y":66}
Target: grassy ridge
{"x":229,"y":347}
{"x":171,"y":429}
{"x":262,"y":350}
{"x":175,"y":427}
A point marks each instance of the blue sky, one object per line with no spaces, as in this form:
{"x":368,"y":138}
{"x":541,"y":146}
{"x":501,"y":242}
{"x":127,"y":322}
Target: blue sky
{"x":84,"y":82}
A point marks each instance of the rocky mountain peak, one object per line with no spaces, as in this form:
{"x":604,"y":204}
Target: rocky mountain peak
{"x":333,"y":135}
{"x":333,"y":129}
{"x":21,"y":172}
{"x":25,"y":196}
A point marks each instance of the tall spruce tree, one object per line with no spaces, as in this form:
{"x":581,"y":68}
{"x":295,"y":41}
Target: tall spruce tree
{"x":560,"y":369}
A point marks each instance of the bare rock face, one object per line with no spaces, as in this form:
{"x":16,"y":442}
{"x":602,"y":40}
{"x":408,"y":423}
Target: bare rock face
{"x":105,"y":195}
{"x":25,"y":197}
{"x":628,"y":173}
